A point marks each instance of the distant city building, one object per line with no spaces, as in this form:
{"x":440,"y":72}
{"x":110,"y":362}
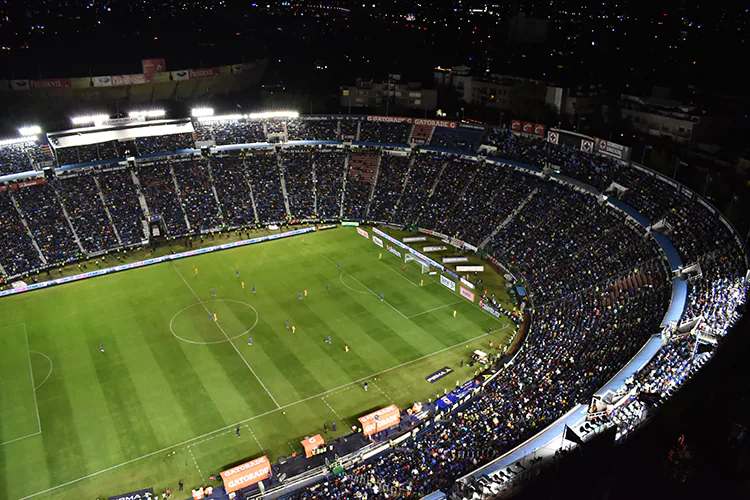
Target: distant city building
{"x":391,"y":92}
{"x":661,"y":117}
{"x":522,"y":29}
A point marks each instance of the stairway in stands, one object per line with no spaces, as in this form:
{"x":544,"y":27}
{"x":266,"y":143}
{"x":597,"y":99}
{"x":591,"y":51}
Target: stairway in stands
{"x":631,"y":283}
{"x":421,"y":134}
{"x":364,"y":166}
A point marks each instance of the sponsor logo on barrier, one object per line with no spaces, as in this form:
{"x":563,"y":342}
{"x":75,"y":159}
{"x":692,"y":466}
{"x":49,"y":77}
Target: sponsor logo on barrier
{"x":350,"y":223}
{"x":389,"y":119}
{"x":468,"y":294}
{"x":444,"y":371}
{"x":329,"y":226}
{"x":539,"y":129}
{"x":180,"y":75}
{"x":433,"y":249}
{"x":377,"y":241}
{"x":452,"y":260}
{"x":484,"y":305}
{"x":587,"y":146}
{"x":433,"y":233}
{"x":135,"y":495}
{"x":451,"y":273}
{"x":202,"y":73}
{"x":553,"y":137}
{"x":412,"y":239}
{"x":515,"y":125}
{"x":466,"y":269}
{"x":408,"y":249}
{"x":393,"y":251}
{"x":51,"y":83}
{"x":362,"y":232}
{"x":447,"y":283}
{"x":527,"y":127}
{"x":151,"y":66}
{"x":397,"y":227}
{"x":468,"y":283}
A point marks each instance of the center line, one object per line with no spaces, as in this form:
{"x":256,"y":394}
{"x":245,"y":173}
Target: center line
{"x":227,"y":337}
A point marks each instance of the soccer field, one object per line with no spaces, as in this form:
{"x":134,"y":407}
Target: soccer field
{"x":78,"y":423}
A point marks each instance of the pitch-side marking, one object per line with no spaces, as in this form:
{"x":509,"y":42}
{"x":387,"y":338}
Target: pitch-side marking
{"x":365,"y":287}
{"x":334,"y":411}
{"x":230,"y":341}
{"x":200,"y":474}
{"x":31,"y":374}
{"x":232,"y":426}
{"x":50,"y":367}
{"x":437,"y":308}
{"x":383,"y":393}
{"x":400,"y":275}
{"x":214,"y":341}
{"x":256,"y":438}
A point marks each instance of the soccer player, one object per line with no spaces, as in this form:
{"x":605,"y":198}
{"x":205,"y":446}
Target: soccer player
{"x":305,"y":292}
{"x":253,"y":288}
{"x":250,"y":341}
{"x":328,"y":287}
{"x":101,"y":347}
{"x":213,"y":292}
{"x":303,"y":240}
{"x":215,"y":319}
{"x":237,"y":272}
{"x":237,"y":431}
{"x":346,"y":348}
{"x":365,"y":386}
{"x":243,"y":285}
{"x":380,"y":255}
{"x":404,"y":268}
{"x":421,"y":282}
{"x":287,"y":324}
{"x":299,"y":295}
{"x":329,"y":340}
{"x":454,"y":313}
{"x":382,"y":298}
{"x":294,"y":329}
{"x":195,"y":271}
{"x":339,"y":265}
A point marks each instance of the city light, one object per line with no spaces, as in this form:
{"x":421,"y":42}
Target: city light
{"x":83,"y":120}
{"x":202,"y":112}
{"x":30,"y":130}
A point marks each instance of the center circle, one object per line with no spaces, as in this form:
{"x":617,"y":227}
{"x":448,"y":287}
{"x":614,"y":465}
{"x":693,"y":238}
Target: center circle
{"x":195,"y":324}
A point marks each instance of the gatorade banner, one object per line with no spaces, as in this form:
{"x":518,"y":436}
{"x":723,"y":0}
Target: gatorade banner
{"x":362,"y":232}
{"x":467,"y":294}
{"x":246,"y":474}
{"x":380,"y":420}
{"x":377,"y":241}
{"x":311,"y":444}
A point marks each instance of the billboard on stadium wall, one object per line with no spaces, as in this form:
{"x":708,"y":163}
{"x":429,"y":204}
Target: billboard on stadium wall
{"x":380,"y":420}
{"x":393,"y":251}
{"x":389,"y":119}
{"x":467,"y":283}
{"x":135,"y":495}
{"x":467,"y":294}
{"x":612,"y":150}
{"x":466,"y":269}
{"x":350,"y":223}
{"x":362,"y":232}
{"x":377,"y":241}
{"x":453,"y":260}
{"x":51,"y":83}
{"x":515,"y":125}
{"x":195,"y":74}
{"x":19,"y":85}
{"x":450,"y":284}
{"x":246,"y":474}
{"x":539,"y":129}
{"x":181,"y":75}
{"x":527,"y":128}
{"x":151,"y":66}
{"x":413,"y":239}
{"x":434,"y":249}
{"x":553,"y":138}
{"x":587,"y":146}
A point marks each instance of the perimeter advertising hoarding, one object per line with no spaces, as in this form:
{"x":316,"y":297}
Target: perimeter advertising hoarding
{"x":484,"y":305}
{"x":151,"y":66}
{"x":246,"y":474}
{"x":467,"y":294}
{"x":416,"y":121}
{"x":539,"y":129}
{"x":377,"y":241}
{"x":527,"y":128}
{"x":453,"y":260}
{"x":413,"y":239}
{"x":515,"y":125}
{"x":362,"y":232}
{"x":350,"y":223}
{"x":466,"y":269}
{"x":407,"y":249}
{"x":613,"y":150}
{"x":447,"y":283}
{"x":433,"y":249}
{"x":393,"y":251}
{"x":135,"y":495}
{"x":195,"y":74}
{"x":380,"y":420}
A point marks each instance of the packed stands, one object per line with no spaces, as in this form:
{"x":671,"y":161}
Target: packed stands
{"x":457,"y":174}
{"x":460,"y":138}
{"x":348,"y":129}
{"x":16,"y":157}
{"x":312,"y":129}
{"x":121,"y":198}
{"x":164,"y":143}
{"x":329,"y":177}
{"x":158,"y":186}
{"x":424,"y":172}
{"x":197,"y":195}
{"x":80,"y":196}
{"x":299,"y":173}
{"x":391,"y":179}
{"x":49,"y":227}
{"x":265,"y":178}
{"x":384,"y":132}
{"x":233,"y":190}
{"x":19,"y":255}
{"x":234,"y":132}
{"x":361,"y":171}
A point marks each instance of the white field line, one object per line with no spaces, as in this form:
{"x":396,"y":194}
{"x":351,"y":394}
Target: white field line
{"x":200,"y":474}
{"x":22,"y":437}
{"x":256,"y":438}
{"x":334,"y":411}
{"x":437,"y":308}
{"x":31,"y":375}
{"x":366,"y":288}
{"x":230,"y":340}
{"x":383,"y":393}
{"x":232,"y":426}
{"x":50,"y":367}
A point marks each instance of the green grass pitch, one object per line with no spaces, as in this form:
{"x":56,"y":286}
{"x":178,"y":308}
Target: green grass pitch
{"x":78,"y":423}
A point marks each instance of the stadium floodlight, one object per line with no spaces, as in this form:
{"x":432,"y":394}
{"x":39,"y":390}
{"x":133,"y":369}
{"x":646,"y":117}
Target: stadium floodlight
{"x":222,"y":118}
{"x":197,"y":112}
{"x":83,"y":120}
{"x":152,"y":113}
{"x":30,"y":130}
{"x":17,"y":140}
{"x":273,"y":114}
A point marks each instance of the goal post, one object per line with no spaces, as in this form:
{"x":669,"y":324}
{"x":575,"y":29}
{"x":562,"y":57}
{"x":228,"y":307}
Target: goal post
{"x":425,"y":267}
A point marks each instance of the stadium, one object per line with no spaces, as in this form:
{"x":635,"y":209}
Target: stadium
{"x":283,"y":306}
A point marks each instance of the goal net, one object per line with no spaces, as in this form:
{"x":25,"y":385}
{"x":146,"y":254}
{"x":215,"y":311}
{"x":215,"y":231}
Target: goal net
{"x":422,"y":264}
